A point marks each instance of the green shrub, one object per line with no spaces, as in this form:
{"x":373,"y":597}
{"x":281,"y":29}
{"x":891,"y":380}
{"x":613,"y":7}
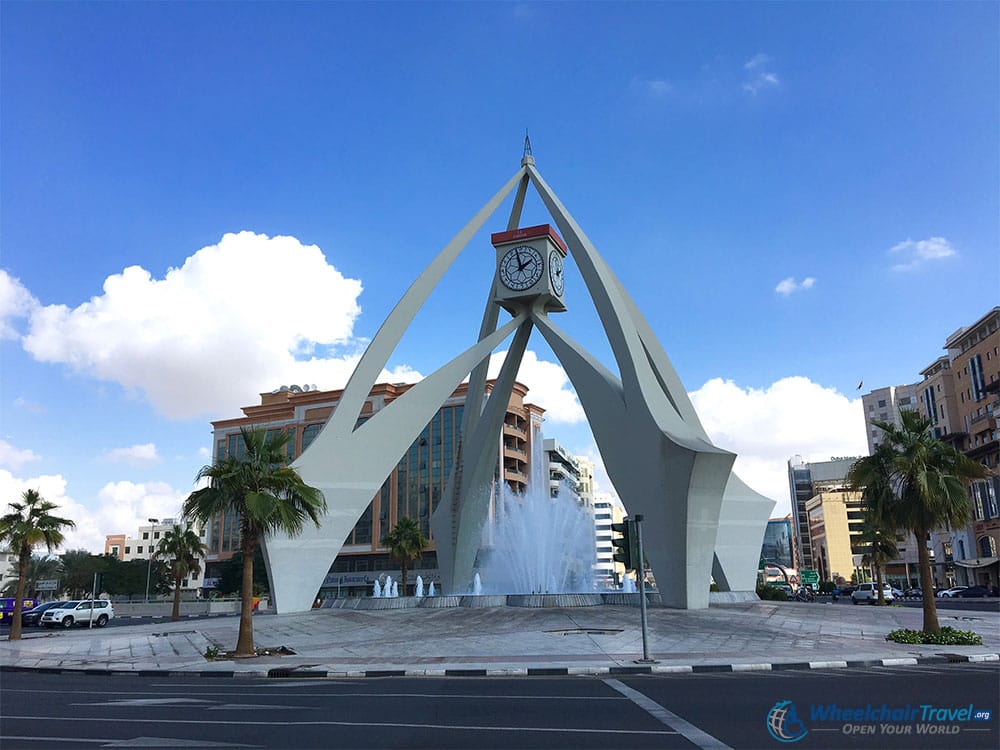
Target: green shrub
{"x":212,"y":652}
{"x":827,"y":587}
{"x":771,"y":593}
{"x":947,"y":637}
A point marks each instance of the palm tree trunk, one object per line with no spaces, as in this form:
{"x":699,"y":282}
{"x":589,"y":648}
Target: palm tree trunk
{"x":244,"y":645}
{"x":931,"y":624}
{"x":176,"y":614}
{"x":402,"y":568}
{"x":22,"y":580}
{"x":878,"y":582}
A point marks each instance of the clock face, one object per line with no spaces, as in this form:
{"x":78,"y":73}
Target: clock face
{"x":556,"y":272}
{"x":521,"y":268}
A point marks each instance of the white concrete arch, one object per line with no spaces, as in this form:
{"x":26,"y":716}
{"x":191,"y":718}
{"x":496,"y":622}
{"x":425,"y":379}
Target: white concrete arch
{"x":700,"y":519}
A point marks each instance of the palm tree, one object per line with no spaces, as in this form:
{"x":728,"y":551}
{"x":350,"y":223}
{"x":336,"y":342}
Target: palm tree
{"x":872,"y":476}
{"x":184,"y":550}
{"x":40,"y":568}
{"x":922,"y":483}
{"x":405,"y":543}
{"x":29,"y":524}
{"x":881,"y":545}
{"x":266,"y":495}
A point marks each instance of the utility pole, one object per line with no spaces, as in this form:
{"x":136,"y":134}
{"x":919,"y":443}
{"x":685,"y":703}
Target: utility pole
{"x":149,"y":565}
{"x":641,"y":575}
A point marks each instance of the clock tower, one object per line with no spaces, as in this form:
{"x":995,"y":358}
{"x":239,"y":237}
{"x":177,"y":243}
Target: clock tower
{"x":529,"y":268}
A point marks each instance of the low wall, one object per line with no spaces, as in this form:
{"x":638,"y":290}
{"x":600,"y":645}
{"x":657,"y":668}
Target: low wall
{"x":198,"y":607}
{"x":494,"y":600}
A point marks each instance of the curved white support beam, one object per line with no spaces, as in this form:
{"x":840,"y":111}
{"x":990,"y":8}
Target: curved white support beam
{"x":676,"y":480}
{"x":387,"y":339}
{"x":350,"y":467}
{"x":458,"y":521}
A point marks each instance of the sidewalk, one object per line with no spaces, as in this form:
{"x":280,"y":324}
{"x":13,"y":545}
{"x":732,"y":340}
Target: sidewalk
{"x":510,"y":641}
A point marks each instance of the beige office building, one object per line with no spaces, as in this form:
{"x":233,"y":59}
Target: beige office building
{"x":835,"y":520}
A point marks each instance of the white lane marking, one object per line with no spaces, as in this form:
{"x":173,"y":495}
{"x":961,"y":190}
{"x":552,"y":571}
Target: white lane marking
{"x":690,"y":732}
{"x":398,"y":725}
{"x":142,"y":702}
{"x":330,"y":694}
{"x":134,"y":742}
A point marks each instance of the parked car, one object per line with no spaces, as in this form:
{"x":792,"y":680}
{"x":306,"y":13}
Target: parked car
{"x":896,"y":593}
{"x":33,"y":617}
{"x":948,"y":593}
{"x":914,"y":592}
{"x":868,"y":592}
{"x":98,"y":611}
{"x":972,"y":592}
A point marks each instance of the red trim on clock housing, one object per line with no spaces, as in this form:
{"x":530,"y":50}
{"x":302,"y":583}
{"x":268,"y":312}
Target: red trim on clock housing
{"x":529,"y":233}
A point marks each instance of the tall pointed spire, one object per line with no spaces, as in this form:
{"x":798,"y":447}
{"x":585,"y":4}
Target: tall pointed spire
{"x":526,"y":157}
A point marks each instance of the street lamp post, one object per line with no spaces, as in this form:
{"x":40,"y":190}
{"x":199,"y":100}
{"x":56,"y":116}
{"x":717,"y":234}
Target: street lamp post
{"x":149,"y":566}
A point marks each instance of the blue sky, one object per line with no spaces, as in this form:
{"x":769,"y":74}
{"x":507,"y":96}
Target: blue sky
{"x":798,"y":196}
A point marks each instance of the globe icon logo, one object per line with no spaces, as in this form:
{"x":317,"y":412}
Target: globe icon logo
{"x":783,"y":723}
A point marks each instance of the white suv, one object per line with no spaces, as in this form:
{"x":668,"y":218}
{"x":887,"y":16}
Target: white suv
{"x":68,"y":614}
{"x":868,"y":592}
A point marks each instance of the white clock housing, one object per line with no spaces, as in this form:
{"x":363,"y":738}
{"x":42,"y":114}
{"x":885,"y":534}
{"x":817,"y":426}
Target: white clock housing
{"x":529,"y":266}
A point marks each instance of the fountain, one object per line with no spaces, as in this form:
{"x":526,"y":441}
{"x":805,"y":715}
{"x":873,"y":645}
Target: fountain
{"x":420,"y":587}
{"x":432,"y":590}
{"x":376,"y":590}
{"x":477,"y":586}
{"x":628,"y":585}
{"x":395,"y":590}
{"x":541,"y":544}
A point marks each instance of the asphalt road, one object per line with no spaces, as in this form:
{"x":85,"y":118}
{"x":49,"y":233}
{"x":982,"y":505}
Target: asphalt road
{"x":717,"y":710}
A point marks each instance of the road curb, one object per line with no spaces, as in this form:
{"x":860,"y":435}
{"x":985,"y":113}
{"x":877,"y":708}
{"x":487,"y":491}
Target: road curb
{"x":644,"y":669}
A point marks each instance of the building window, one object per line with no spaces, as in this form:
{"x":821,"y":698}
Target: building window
{"x":128,"y":550}
{"x":145,"y":535}
{"x":138,"y":550}
{"x":988,"y":546}
{"x":881,"y":403}
{"x":156,"y":535}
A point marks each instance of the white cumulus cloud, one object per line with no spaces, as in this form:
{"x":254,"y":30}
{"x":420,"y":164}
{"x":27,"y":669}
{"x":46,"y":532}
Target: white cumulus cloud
{"x":138,"y":456}
{"x":914,"y":254}
{"x":548,"y":387}
{"x":765,"y":427}
{"x":121,"y":506}
{"x":14,"y":458}
{"x":789,"y":286}
{"x":15,"y":302}
{"x":242,"y":316}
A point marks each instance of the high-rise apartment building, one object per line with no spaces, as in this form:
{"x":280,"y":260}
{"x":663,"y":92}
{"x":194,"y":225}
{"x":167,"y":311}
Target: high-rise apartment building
{"x":608,"y":509}
{"x":414,"y":488}
{"x":975,"y":358}
{"x":564,"y":471}
{"x":805,"y":480}
{"x":960,"y":395}
{"x":884,"y":405}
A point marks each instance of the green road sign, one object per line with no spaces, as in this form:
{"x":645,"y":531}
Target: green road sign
{"x":809,"y":577}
